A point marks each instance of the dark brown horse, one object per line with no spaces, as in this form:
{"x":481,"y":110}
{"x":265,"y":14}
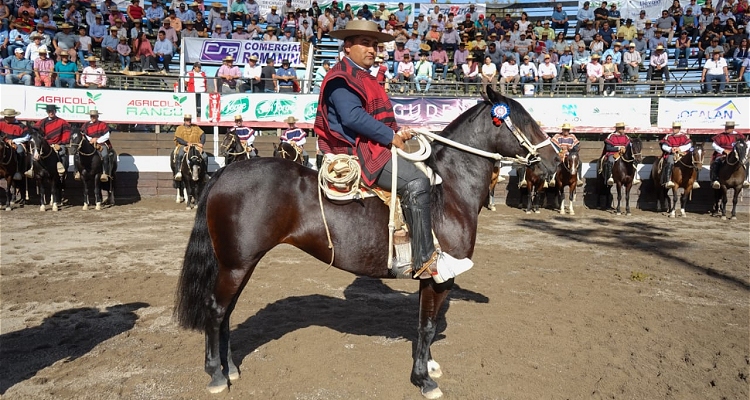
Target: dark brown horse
{"x":623,"y":172}
{"x":532,"y":188}
{"x":288,"y":151}
{"x":44,"y":164}
{"x":684,"y":174}
{"x":490,"y":203}
{"x":237,"y":223}
{"x":567,"y":176}
{"x":8,"y":167}
{"x":732,"y":174}
{"x":232,"y":149}
{"x":193,"y":168}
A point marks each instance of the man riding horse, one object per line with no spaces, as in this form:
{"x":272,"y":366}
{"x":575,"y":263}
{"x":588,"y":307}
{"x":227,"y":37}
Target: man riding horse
{"x":97,"y":133}
{"x":187,"y":135}
{"x":296,"y":136}
{"x":567,"y":143}
{"x":245,"y":134}
{"x":16,"y":134}
{"x":355,"y":117}
{"x":723,"y":144}
{"x":675,"y":143}
{"x":614,"y":146}
{"x":57,"y":133}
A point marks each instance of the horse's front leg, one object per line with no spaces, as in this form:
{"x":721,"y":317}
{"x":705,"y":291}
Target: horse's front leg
{"x":572,"y":194}
{"x":55,"y":193}
{"x":684,"y":199}
{"x":98,"y":192}
{"x":560,"y":200}
{"x":619,"y":198}
{"x":724,"y":201}
{"x":431,"y":298}
{"x":737,"y":191}
{"x":627,"y":198}
{"x":9,"y":192}
{"x":42,"y":195}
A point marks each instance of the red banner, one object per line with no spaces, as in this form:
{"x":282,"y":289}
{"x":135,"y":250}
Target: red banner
{"x":214,"y":107}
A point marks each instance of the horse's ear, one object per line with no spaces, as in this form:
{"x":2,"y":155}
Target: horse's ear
{"x":484,"y":95}
{"x":492,"y":96}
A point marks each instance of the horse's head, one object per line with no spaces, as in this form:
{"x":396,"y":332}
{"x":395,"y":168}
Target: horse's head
{"x":288,"y":151}
{"x":740,"y":149}
{"x":75,"y":141}
{"x":228,"y":143}
{"x":525,"y":138}
{"x":698,"y":155}
{"x":636,"y":147}
{"x":195,"y":163}
{"x":38,"y":145}
{"x":571,"y":161}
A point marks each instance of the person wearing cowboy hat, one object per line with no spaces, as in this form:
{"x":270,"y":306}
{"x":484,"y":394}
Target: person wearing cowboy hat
{"x":658,"y":64}
{"x":240,"y":33}
{"x":189,"y":31}
{"x":170,"y":33}
{"x":246,"y":135}
{"x":154,"y":16}
{"x":355,"y":116}
{"x":238,"y":12}
{"x":251,"y":74}
{"x":214,"y":14}
{"x":676,"y":142}
{"x":270,"y":35}
{"x":65,"y":41}
{"x":228,"y":75}
{"x":297,"y":136}
{"x":615,"y":144}
{"x":723,"y":144}
{"x":93,"y":76}
{"x":631,"y":60}
{"x":423,"y":71}
{"x":16,"y":134}
{"x":286,"y":78}
{"x":124,"y":50}
{"x":273,"y":19}
{"x":187,"y":135}
{"x":43,"y":69}
{"x":183,"y":12}
{"x":97,"y":133}
{"x":715,"y":70}
{"x":568,"y":144}
{"x":109,"y":47}
{"x":57,"y":133}
{"x":66,"y":72}
{"x":32,"y":50}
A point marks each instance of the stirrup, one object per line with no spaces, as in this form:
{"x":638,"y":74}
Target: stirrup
{"x":104,"y":177}
{"x":178,"y":176}
{"x":17,"y":176}
{"x":715,"y":185}
{"x":77,"y":176}
{"x":60,"y":168}
{"x":696,"y":185}
{"x":610,"y":182}
{"x":29,"y":173}
{"x":668,"y":185}
{"x":449,"y":267}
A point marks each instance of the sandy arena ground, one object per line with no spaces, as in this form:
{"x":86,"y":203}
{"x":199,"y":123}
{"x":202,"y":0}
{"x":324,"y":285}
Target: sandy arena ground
{"x":557,"y":307}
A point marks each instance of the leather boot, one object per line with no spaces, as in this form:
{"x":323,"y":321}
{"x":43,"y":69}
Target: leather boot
{"x":715,"y":175}
{"x":105,"y":169}
{"x":521,"y":172}
{"x":21,"y":164}
{"x":178,"y":167}
{"x":30,"y":171}
{"x":306,"y":160}
{"x":666,"y":176}
{"x":318,"y":160}
{"x":607,"y":173}
{"x":417,"y":215}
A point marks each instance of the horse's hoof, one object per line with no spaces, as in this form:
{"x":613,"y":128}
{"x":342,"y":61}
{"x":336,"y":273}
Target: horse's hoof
{"x":537,"y":212}
{"x":216,"y":389}
{"x":618,"y":213}
{"x":42,"y":208}
{"x":670,"y":215}
{"x":562,"y":211}
{"x":528,"y":212}
{"x":188,"y":208}
{"x":98,"y":206}
{"x":433,"y":394}
{"x":492,"y":208}
{"x":85,"y":207}
{"x":433,"y":368}
{"x":628,"y":213}
{"x":733,"y":217}
{"x":177,"y":200}
{"x":54,"y":207}
{"x":723,"y":217}
{"x":8,"y":208}
{"x":572,"y":212}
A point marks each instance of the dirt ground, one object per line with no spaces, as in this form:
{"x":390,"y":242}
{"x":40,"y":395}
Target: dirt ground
{"x":556,"y":307}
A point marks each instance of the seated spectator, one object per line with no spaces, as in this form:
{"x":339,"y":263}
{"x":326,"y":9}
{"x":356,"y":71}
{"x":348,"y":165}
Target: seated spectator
{"x":632,"y":61}
{"x":251,"y":76}
{"x":270,"y":35}
{"x":123,"y":50}
{"x":744,"y":73}
{"x":45,"y":8}
{"x":439,"y":59}
{"x":109,"y":47}
{"x":48,"y":26}
{"x":163,"y":50}
{"x":450,"y":38}
{"x":267,"y":74}
{"x":581,"y":58}
{"x":143,"y":53}
{"x":547,"y":75}
{"x":196,"y":80}
{"x":588,"y":32}
{"x":615,"y":53}
{"x":423,"y":72}
{"x":214,"y":14}
{"x":657,"y":41}
{"x":379,"y":71}
{"x":219,"y":34}
{"x":641,"y":44}
{"x":614,"y":16}
{"x":459,"y":60}
{"x":190,"y":32}
{"x":65,"y":42}
{"x":598,"y":45}
{"x":565,"y":66}
{"x":740,"y":54}
{"x":594,"y":74}
{"x":470,"y":72}
{"x":640,"y":22}
{"x":286,"y":78}
{"x":238,"y":12}
{"x":135,"y":12}
{"x":509,"y":73}
{"x":184,"y":13}
{"x":689,"y":24}
{"x":115,"y":14}
{"x":226,"y":25}
{"x":290,"y":24}
{"x":121,"y":29}
{"x":306,"y":33}
{"x":97,"y":31}
{"x":66,"y":72}
{"x":200,"y":25}
{"x":25,"y":6}
{"x":43,"y":69}
{"x":478,"y":46}
{"x":601,"y":15}
{"x":529,"y":73}
{"x":32,"y":50}
{"x":584,"y":15}
{"x":628,"y":31}
{"x":667,"y":24}
{"x":154,"y":16}
{"x":404,"y":72}
{"x":24,"y":23}
{"x":273,"y":19}
{"x":72,"y":16}
{"x":93,"y":76}
{"x":253,"y":10}
{"x":715,"y":70}
{"x":287,"y":37}
{"x":176,"y":24}
{"x":658,"y":65}
{"x":325,"y":23}
{"x":682,"y":49}
{"x":610,"y":74}
{"x":229,"y":75}
{"x":649,"y":32}
{"x":488,"y":74}
{"x":607,"y":35}
{"x":560,"y":19}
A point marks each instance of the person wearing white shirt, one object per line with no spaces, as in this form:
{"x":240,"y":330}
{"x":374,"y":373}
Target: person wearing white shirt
{"x":715,"y":70}
{"x":548,"y":74}
{"x":509,"y":73}
{"x":251,"y":76}
{"x":93,"y":76}
{"x":423,"y":72}
{"x":405,"y":72}
{"x":471,"y":72}
{"x":528,"y":72}
{"x":489,"y":74}
{"x":32,"y":50}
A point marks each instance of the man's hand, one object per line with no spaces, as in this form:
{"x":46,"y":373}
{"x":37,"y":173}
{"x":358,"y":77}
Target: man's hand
{"x":56,"y":147}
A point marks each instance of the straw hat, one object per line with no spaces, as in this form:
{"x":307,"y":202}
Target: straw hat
{"x":595,"y":56}
{"x":66,"y":25}
{"x":91,"y":58}
{"x":42,"y":50}
{"x":237,"y":117}
{"x":228,"y":58}
{"x":187,"y":116}
{"x":619,"y":125}
{"x":729,"y":124}
{"x":364,"y":28}
{"x":565,"y":126}
{"x":470,"y":57}
{"x":9,"y":112}
{"x":44,"y":3}
{"x":94,"y":113}
{"x":216,"y":4}
{"x":253,"y":58}
{"x":676,"y":124}
{"x":424,"y":47}
{"x":290,"y":120}
{"x":659,"y":47}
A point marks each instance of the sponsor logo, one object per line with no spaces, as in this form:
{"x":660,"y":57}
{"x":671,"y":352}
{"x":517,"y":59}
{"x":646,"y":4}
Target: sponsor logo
{"x":275,"y":108}
{"x":68,"y":106}
{"x":217,"y":51}
{"x":725,"y":112}
{"x":156,"y":107}
{"x":310,"y":111}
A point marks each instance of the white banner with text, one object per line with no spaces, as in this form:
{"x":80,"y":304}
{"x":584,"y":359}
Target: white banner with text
{"x":705,"y":112}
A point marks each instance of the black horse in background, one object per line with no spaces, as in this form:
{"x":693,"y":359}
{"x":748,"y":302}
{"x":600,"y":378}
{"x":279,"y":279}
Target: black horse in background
{"x":732,"y":174}
{"x":232,"y":149}
{"x":288,"y":151}
{"x":237,"y":223}
{"x":8,"y":167}
{"x":44,"y":165}
{"x":624,"y":171}
{"x":88,"y":163}
{"x":193,"y":168}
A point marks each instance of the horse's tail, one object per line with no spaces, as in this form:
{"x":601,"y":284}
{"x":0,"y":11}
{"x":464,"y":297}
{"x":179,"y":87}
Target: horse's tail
{"x":199,"y":270}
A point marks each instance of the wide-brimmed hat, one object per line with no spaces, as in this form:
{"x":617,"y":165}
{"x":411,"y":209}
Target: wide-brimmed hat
{"x":94,"y":113}
{"x":676,"y":124}
{"x":9,"y":112}
{"x":66,"y":25}
{"x":253,"y":58}
{"x":228,"y":58}
{"x":659,"y":47}
{"x":188,"y":22}
{"x":236,"y":117}
{"x":619,"y":125}
{"x":91,"y":58}
{"x":717,"y":51}
{"x":470,"y":57}
{"x":361,"y":28}
{"x":215,"y":4}
{"x":51,"y":107}
{"x":729,"y":124}
{"x":290,"y":120}
{"x":42,"y":50}
{"x":565,"y":126}
{"x":187,"y":116}
{"x":424,"y":47}
{"x":595,"y":56}
{"x":44,"y":3}
{"x":270,"y":28}
{"x":631,"y":45}
{"x":113,"y":29}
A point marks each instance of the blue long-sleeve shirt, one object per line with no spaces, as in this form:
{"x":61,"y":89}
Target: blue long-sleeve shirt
{"x":346,"y":115}
{"x":17,"y":66}
{"x":110,"y":41}
{"x":98,"y":31}
{"x":155,"y":13}
{"x":163,"y":47}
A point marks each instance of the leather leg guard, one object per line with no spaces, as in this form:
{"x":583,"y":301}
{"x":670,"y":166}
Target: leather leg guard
{"x":715,"y":174}
{"x":607,"y":173}
{"x":416,"y":207}
{"x":318,"y":160}
{"x":666,"y":175}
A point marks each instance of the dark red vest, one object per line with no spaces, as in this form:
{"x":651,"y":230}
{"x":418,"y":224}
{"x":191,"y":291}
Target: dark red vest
{"x":372,"y":155}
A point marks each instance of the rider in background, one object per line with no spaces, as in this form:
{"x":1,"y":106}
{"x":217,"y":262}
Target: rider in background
{"x":676,"y":142}
{"x":246,"y":135}
{"x":568,"y":143}
{"x":723,"y":144}
{"x":97,"y":133}
{"x":16,"y":135}
{"x":355,"y":117}
{"x":296,"y":136}
{"x":57,"y":133}
{"x":187,"y":135}
{"x":615,"y":144}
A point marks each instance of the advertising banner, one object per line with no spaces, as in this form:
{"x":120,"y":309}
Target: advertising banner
{"x":704,"y":112}
{"x":118,"y":106}
{"x":589,"y":111}
{"x":431,"y":112}
{"x":213,"y":51}
{"x":632,"y":8}
{"x":263,"y":107}
{"x":458,"y":10}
